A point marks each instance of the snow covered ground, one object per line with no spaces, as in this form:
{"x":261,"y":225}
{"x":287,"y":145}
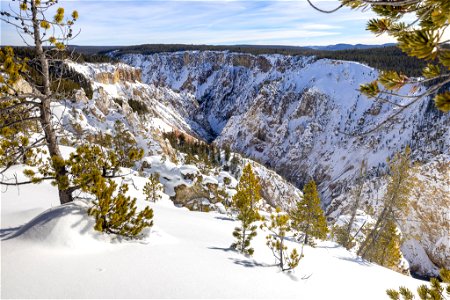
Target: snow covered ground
{"x":51,"y":251}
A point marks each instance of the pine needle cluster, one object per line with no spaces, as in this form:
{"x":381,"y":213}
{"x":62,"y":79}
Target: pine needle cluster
{"x":436,"y":290}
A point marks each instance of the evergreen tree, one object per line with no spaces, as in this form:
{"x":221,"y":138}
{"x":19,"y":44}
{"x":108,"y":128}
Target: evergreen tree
{"x":244,"y":201}
{"x":308,"y":217}
{"x":386,"y":251}
{"x":153,"y":188}
{"x":118,"y":214}
{"x":436,"y":290}
{"x":125,"y":146}
{"x":279,"y":226}
{"x":395,"y":202}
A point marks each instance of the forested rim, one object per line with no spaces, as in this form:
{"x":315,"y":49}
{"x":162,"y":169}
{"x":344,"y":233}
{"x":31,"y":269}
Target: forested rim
{"x":382,"y":58}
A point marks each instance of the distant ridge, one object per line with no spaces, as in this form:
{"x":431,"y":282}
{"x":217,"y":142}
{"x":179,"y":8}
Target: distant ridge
{"x":339,"y":47}
{"x":254,"y":49}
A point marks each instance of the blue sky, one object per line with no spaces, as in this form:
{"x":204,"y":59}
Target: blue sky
{"x":288,"y":22}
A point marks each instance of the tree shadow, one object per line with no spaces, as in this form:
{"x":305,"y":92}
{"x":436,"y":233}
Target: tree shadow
{"x":328,"y":247}
{"x":249,"y":263}
{"x":228,"y":249}
{"x":5,"y":232}
{"x":291,"y":275}
{"x":224,"y":218}
{"x":41,"y":220}
{"x":357,"y":260}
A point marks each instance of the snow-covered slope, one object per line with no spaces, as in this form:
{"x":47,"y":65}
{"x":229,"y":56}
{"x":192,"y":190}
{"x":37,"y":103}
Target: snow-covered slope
{"x":302,"y":117}
{"x":187,"y":255}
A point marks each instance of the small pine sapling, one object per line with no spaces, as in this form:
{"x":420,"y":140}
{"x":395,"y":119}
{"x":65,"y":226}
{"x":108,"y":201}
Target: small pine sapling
{"x":118,"y":214}
{"x":248,"y":193}
{"x":279,"y":226}
{"x":125,"y":146}
{"x":308,"y":217}
{"x":153,"y":188}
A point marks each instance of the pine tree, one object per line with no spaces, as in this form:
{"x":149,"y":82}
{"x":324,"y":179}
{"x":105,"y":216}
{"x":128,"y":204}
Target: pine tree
{"x":436,"y":290}
{"x":395,"y":202}
{"x":153,"y":188}
{"x":244,"y":201}
{"x":308,"y":217}
{"x":279,"y":226}
{"x":386,"y":251}
{"x":125,"y":146}
{"x":118,"y":214}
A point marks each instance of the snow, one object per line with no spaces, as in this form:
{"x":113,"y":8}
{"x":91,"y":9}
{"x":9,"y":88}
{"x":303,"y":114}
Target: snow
{"x":54,"y":253}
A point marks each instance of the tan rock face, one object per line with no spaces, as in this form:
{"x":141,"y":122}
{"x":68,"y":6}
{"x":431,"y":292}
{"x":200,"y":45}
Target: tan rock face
{"x":191,"y":197}
{"x":426,"y":224}
{"x":119,"y":75}
{"x":102,"y":101}
{"x":80,"y":96}
{"x":243,"y":60}
{"x":22,"y":86}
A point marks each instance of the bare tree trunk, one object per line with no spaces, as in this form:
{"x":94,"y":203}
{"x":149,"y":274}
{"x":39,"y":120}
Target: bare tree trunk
{"x":65,"y":195}
{"x":281,"y":254}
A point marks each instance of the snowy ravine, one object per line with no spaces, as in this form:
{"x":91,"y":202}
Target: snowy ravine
{"x":57,"y":254}
{"x":302,"y":117}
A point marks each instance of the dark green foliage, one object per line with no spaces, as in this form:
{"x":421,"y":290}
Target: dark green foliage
{"x":422,"y":37}
{"x":227,"y":153}
{"x":234,"y":164}
{"x":138,"y":106}
{"x":78,"y":56}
